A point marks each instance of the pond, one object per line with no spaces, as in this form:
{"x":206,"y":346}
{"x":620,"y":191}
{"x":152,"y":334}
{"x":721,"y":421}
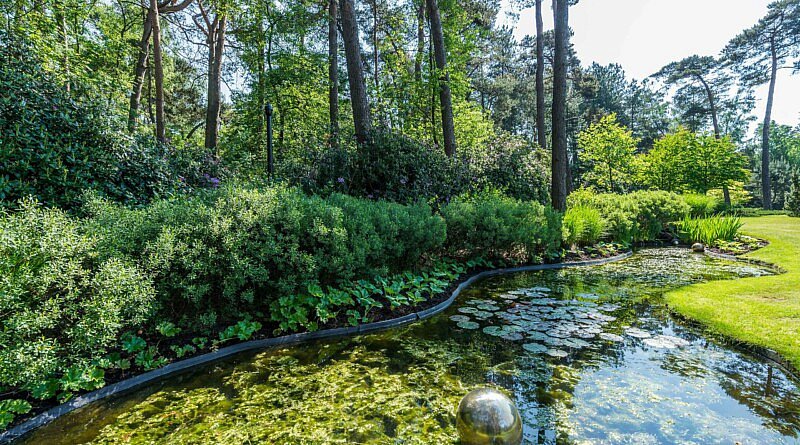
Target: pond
{"x":590,"y":355}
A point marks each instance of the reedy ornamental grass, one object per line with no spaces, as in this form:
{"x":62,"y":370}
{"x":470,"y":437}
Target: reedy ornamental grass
{"x":763,"y":311}
{"x":710,"y":229}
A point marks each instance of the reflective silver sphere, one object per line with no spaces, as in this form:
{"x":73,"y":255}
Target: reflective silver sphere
{"x":697,"y":247}
{"x":487,"y":417}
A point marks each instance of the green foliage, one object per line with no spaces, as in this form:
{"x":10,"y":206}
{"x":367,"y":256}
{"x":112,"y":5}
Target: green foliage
{"x":149,"y":359}
{"x":182,"y":351}
{"x":582,"y":226}
{"x":491,"y":225}
{"x":56,"y":146}
{"x":234,"y":250}
{"x":242,"y":330}
{"x":709,"y":230}
{"x":168,"y":329}
{"x":793,"y":199}
{"x":62,"y":305}
{"x":132,"y":343}
{"x":702,"y":205}
{"x":609,"y":148}
{"x":636,"y":217}
{"x":10,"y":408}
{"x":685,"y":161}
{"x":308,"y":310}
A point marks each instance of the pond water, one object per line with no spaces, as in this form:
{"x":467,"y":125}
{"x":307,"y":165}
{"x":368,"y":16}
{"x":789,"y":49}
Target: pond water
{"x":590,"y":355}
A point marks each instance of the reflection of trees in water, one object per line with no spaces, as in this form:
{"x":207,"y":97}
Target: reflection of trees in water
{"x":763,"y":389}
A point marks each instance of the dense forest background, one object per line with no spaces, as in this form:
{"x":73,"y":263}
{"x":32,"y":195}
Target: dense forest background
{"x":172,"y":95}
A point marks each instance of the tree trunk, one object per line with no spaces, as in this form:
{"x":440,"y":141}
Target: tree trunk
{"x":333,"y":73}
{"x":559,"y":160}
{"x":766,"y":186}
{"x":420,"y":41}
{"x":355,"y":71}
{"x":541,"y":131}
{"x":445,"y":97}
{"x":712,"y":105}
{"x":161,"y":134}
{"x":216,"y":46}
{"x":139,"y":71}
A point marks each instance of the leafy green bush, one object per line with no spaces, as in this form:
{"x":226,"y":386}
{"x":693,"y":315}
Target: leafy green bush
{"x":52,"y":146}
{"x":387,"y":237}
{"x":55,"y":146}
{"x":230,"y":252}
{"x":702,"y":205}
{"x":635,"y":217}
{"x":62,"y":305}
{"x":709,"y":230}
{"x":491,"y":225}
{"x":399,"y":169}
{"x":582,"y":226}
{"x":513,"y":166}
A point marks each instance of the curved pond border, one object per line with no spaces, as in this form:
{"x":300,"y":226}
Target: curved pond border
{"x":762,"y":352}
{"x":175,"y":368}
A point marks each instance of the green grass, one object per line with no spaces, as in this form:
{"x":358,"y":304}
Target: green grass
{"x":763,"y":311}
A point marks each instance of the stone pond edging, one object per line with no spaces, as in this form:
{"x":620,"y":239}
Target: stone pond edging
{"x":175,"y":368}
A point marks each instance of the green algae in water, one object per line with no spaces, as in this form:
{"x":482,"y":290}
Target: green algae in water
{"x":402,"y":386}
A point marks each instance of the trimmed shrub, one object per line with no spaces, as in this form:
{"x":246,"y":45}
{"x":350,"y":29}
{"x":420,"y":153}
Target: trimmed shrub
{"x":230,"y":252}
{"x":62,"y":305}
{"x":493,"y":226}
{"x":702,"y":205}
{"x":635,"y":217}
{"x":582,"y":226}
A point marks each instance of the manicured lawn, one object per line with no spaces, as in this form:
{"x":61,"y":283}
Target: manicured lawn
{"x":763,"y":311}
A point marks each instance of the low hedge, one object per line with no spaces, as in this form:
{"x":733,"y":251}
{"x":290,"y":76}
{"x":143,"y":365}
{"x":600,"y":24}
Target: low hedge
{"x":493,"y":226}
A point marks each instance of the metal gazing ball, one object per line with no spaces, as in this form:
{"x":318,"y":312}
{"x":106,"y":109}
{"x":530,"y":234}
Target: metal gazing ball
{"x":697,"y":247}
{"x":488,"y":417}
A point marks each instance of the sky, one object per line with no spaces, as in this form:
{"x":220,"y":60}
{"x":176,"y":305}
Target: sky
{"x":645,"y":35}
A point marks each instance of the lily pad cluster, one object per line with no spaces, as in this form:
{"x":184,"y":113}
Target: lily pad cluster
{"x":544,"y":324}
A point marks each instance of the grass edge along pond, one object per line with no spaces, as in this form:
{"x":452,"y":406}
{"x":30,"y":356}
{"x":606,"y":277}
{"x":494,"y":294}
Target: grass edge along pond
{"x":762,"y":311}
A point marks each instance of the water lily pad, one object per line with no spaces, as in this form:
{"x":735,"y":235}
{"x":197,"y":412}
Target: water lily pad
{"x":611,"y":337}
{"x":577,"y":343}
{"x":557,"y":353}
{"x":482,"y":314}
{"x":497,"y":331}
{"x":512,"y":336}
{"x":637,"y":333}
{"x":536,"y":348}
{"x":540,"y":336}
{"x":467,"y":310}
{"x":665,"y":342}
{"x":488,"y":307}
{"x":587,"y":296}
{"x":468,"y":325}
{"x":459,"y":318}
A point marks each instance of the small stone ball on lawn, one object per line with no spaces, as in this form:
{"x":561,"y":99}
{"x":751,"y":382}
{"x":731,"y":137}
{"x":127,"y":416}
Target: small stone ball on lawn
{"x":697,"y":247}
{"x":488,"y":417}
